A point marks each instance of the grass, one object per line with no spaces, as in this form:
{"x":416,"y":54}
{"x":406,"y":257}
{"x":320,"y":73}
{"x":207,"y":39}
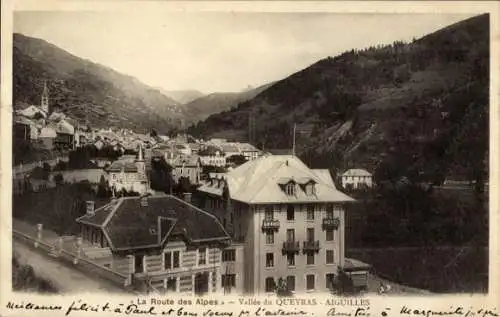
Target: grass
{"x":25,"y":279}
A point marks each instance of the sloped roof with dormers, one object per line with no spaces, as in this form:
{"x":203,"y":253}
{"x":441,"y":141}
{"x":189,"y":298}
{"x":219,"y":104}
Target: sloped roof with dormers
{"x":261,"y":181}
{"x":130,"y":224}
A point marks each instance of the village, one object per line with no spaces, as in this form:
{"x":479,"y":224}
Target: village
{"x":241,"y":208}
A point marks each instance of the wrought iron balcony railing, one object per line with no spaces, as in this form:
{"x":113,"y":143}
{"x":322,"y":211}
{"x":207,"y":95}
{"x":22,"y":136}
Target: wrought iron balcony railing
{"x":291,"y":247}
{"x":310,"y":246}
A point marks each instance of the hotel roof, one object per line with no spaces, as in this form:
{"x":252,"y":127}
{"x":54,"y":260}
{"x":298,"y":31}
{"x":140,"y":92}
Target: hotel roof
{"x":259,"y":181}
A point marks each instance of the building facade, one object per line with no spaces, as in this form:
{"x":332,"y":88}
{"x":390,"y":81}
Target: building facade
{"x":129,"y":175}
{"x":357,"y":179}
{"x":288,"y":218}
{"x":188,"y":167}
{"x":162,"y":242}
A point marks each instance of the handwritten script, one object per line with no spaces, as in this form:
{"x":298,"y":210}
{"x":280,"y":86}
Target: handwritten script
{"x":256,"y":309}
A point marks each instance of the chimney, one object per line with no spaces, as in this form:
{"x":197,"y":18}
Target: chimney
{"x":90,"y":207}
{"x":187,"y":197}
{"x":144,"y":201}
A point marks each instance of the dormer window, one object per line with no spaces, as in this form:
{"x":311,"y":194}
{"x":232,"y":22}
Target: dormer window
{"x":310,"y":189}
{"x":290,"y":189}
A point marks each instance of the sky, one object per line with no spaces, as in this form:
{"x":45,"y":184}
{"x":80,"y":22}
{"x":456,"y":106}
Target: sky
{"x":218,"y":51}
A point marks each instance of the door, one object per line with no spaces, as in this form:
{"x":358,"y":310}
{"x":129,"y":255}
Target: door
{"x":201,"y":283}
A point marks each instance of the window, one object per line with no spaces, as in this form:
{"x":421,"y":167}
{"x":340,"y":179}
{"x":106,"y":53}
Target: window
{"x":329,"y":235}
{"x":171,"y":260}
{"x":269,"y":237}
{"x":171,"y":284}
{"x":290,"y":235}
{"x":139,"y":264}
{"x":329,"y":211}
{"x":269,"y":260}
{"x":290,"y":259}
{"x":310,"y":258}
{"x":310,"y":234}
{"x":228,"y":255}
{"x":290,"y":215}
{"x":310,"y":212}
{"x":330,"y":278}
{"x":202,"y":256}
{"x":269,"y":213}
{"x":310,"y":189}
{"x":228,"y":280}
{"x":329,"y":257}
{"x":290,"y":189}
{"x":310,"y":282}
{"x":269,"y":285}
{"x":290,"y":283}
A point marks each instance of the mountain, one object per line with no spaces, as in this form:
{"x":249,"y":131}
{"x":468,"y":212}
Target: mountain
{"x":183,"y":96}
{"x":418,"y":109}
{"x":201,"y":108}
{"x":87,"y":91}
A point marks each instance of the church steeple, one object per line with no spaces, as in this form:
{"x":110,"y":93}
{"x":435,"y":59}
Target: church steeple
{"x":44,"y":104}
{"x":141,"y":165}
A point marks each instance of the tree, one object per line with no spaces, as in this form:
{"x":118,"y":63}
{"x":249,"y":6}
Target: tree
{"x":58,"y":179}
{"x":183,"y":186}
{"x":103,"y":189}
{"x":236,"y":159}
{"x":153,"y":133}
{"x":343,"y":284}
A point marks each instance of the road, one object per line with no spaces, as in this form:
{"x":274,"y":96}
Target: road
{"x":65,"y":278}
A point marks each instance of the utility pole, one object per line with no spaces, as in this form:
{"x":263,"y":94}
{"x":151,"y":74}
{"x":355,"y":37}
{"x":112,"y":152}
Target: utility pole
{"x":251,"y":127}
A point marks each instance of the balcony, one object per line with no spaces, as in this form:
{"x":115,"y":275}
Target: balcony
{"x":331,"y":223}
{"x":270,"y":224}
{"x":291,"y":247}
{"x":310,"y":246}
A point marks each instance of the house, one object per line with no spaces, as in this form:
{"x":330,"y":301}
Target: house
{"x":289,"y":219}
{"x":189,"y":167}
{"x":24,"y":129}
{"x":162,"y":241}
{"x":32,"y":112}
{"x":212,"y":156}
{"x":47,"y":137}
{"x":183,"y":148}
{"x":195,"y":148}
{"x":357,"y":179}
{"x":230,"y":149}
{"x":65,"y":138}
{"x":249,"y":151}
{"x":129,"y":175}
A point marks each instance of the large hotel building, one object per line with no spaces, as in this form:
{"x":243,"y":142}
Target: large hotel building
{"x":286,"y":221}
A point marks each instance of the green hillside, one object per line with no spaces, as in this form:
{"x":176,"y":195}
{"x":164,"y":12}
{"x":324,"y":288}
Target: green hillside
{"x":86,"y":90}
{"x":416,"y":109}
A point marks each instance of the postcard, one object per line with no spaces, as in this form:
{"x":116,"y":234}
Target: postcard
{"x":247,"y":159}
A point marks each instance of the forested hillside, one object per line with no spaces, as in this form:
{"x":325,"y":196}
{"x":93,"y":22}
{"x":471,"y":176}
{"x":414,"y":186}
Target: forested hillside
{"x":416,"y":109}
{"x":86,"y":90}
